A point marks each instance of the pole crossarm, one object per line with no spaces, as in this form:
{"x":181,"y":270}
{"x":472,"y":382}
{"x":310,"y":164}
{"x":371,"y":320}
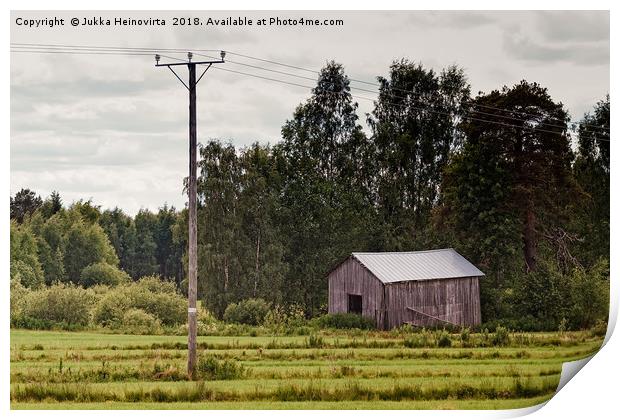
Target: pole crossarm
{"x":185,"y":63}
{"x":203,"y":73}
{"x":180,"y":80}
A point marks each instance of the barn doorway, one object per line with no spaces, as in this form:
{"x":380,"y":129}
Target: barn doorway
{"x":355,"y":304}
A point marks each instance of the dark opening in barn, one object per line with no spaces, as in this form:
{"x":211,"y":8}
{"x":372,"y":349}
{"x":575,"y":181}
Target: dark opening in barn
{"x":422,"y":288}
{"x":355,"y":304}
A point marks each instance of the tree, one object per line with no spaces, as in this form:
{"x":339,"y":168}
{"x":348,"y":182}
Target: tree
{"x":221,"y":243}
{"x":121,"y":231}
{"x":86,"y":244}
{"x":259,"y":203}
{"x":24,"y":204}
{"x":591,"y":170}
{"x":145,"y":261}
{"x":415,"y":130}
{"x":525,"y":162}
{"x":25,"y":265}
{"x":168,"y":254}
{"x":51,"y":205}
{"x":324,"y":209}
{"x":89,"y":212}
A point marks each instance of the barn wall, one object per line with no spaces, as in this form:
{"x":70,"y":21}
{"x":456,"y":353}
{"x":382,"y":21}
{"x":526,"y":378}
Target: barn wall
{"x":455,"y":300}
{"x":351,"y":277}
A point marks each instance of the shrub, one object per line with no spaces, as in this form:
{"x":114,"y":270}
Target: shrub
{"x":444,"y":339}
{"x":501,"y":336}
{"x":59,"y":304}
{"x":137,"y":321}
{"x":589,"y":295}
{"x":249,"y":311}
{"x":214,"y":369}
{"x":345,"y":320}
{"x":280,"y":318}
{"x":599,"y":329}
{"x":102,"y":273}
{"x":18,"y":294}
{"x":465,"y":337}
{"x":152,"y":295}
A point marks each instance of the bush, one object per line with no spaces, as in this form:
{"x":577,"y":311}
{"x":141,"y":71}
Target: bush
{"x":137,"y":321}
{"x":104,"y":274}
{"x":589,"y":295}
{"x":599,"y":329}
{"x":444,"y":339}
{"x":465,"y":337}
{"x":345,"y":320}
{"x":18,"y":294}
{"x":214,"y":369}
{"x":501,"y":336}
{"x":152,"y":295}
{"x":280,"y":319}
{"x":58,"y":304}
{"x":249,"y":311}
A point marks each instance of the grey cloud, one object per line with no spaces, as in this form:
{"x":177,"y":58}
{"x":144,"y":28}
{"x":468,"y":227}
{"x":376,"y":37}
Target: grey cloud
{"x":526,"y":49}
{"x":583,"y":26}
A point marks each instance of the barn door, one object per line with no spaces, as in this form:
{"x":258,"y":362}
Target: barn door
{"x":355,"y":304}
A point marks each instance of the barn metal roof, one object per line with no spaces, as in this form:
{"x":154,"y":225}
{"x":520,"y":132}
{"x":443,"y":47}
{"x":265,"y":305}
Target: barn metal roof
{"x":390,"y":267}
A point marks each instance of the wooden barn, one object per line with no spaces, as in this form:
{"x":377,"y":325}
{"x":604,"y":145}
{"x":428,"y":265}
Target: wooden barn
{"x":423,"y":288}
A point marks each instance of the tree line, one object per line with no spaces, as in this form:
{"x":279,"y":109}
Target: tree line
{"x":498,"y":176}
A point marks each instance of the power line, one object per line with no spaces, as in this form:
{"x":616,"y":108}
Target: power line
{"x":136,"y":52}
{"x":514,"y":112}
{"x":390,"y":94}
{"x":379,"y":86}
{"x":394,"y":104}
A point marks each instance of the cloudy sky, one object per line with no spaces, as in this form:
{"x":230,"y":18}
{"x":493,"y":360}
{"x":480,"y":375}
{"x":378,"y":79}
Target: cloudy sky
{"x":114,"y":128}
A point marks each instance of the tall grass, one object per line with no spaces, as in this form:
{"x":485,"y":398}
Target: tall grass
{"x":312,"y":392}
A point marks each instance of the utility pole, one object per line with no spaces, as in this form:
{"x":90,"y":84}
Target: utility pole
{"x":193,"y":238}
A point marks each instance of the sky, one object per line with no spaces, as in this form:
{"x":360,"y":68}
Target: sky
{"x":114,"y":128}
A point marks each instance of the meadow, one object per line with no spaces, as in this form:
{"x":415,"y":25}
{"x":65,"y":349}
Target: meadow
{"x":331,"y":369}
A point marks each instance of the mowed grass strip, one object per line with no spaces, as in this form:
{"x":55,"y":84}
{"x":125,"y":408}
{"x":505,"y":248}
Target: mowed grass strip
{"x":145,"y":371}
{"x":50,"y":340}
{"x":567,"y":354}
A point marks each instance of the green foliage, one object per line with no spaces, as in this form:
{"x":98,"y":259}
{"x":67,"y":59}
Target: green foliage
{"x":444,"y":339}
{"x":152,"y":295}
{"x":345,"y":320}
{"x":137,"y":321}
{"x":104,"y":274}
{"x":211,"y":368}
{"x":589,"y":295}
{"x":465,"y":337}
{"x":281,"y":319}
{"x":599,"y":329}
{"x":59,"y":304}
{"x":18,"y":293}
{"x":501,"y":336}
{"x":249,"y":311}
{"x":25,"y":265}
{"x":412,"y":150}
{"x":86,"y":244}
{"x":25,"y":203}
{"x":590,"y":221}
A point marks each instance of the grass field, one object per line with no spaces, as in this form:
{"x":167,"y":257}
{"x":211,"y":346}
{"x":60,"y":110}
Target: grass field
{"x":86,"y":370}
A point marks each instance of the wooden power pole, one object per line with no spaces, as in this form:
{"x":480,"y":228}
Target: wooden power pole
{"x":193,"y":231}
